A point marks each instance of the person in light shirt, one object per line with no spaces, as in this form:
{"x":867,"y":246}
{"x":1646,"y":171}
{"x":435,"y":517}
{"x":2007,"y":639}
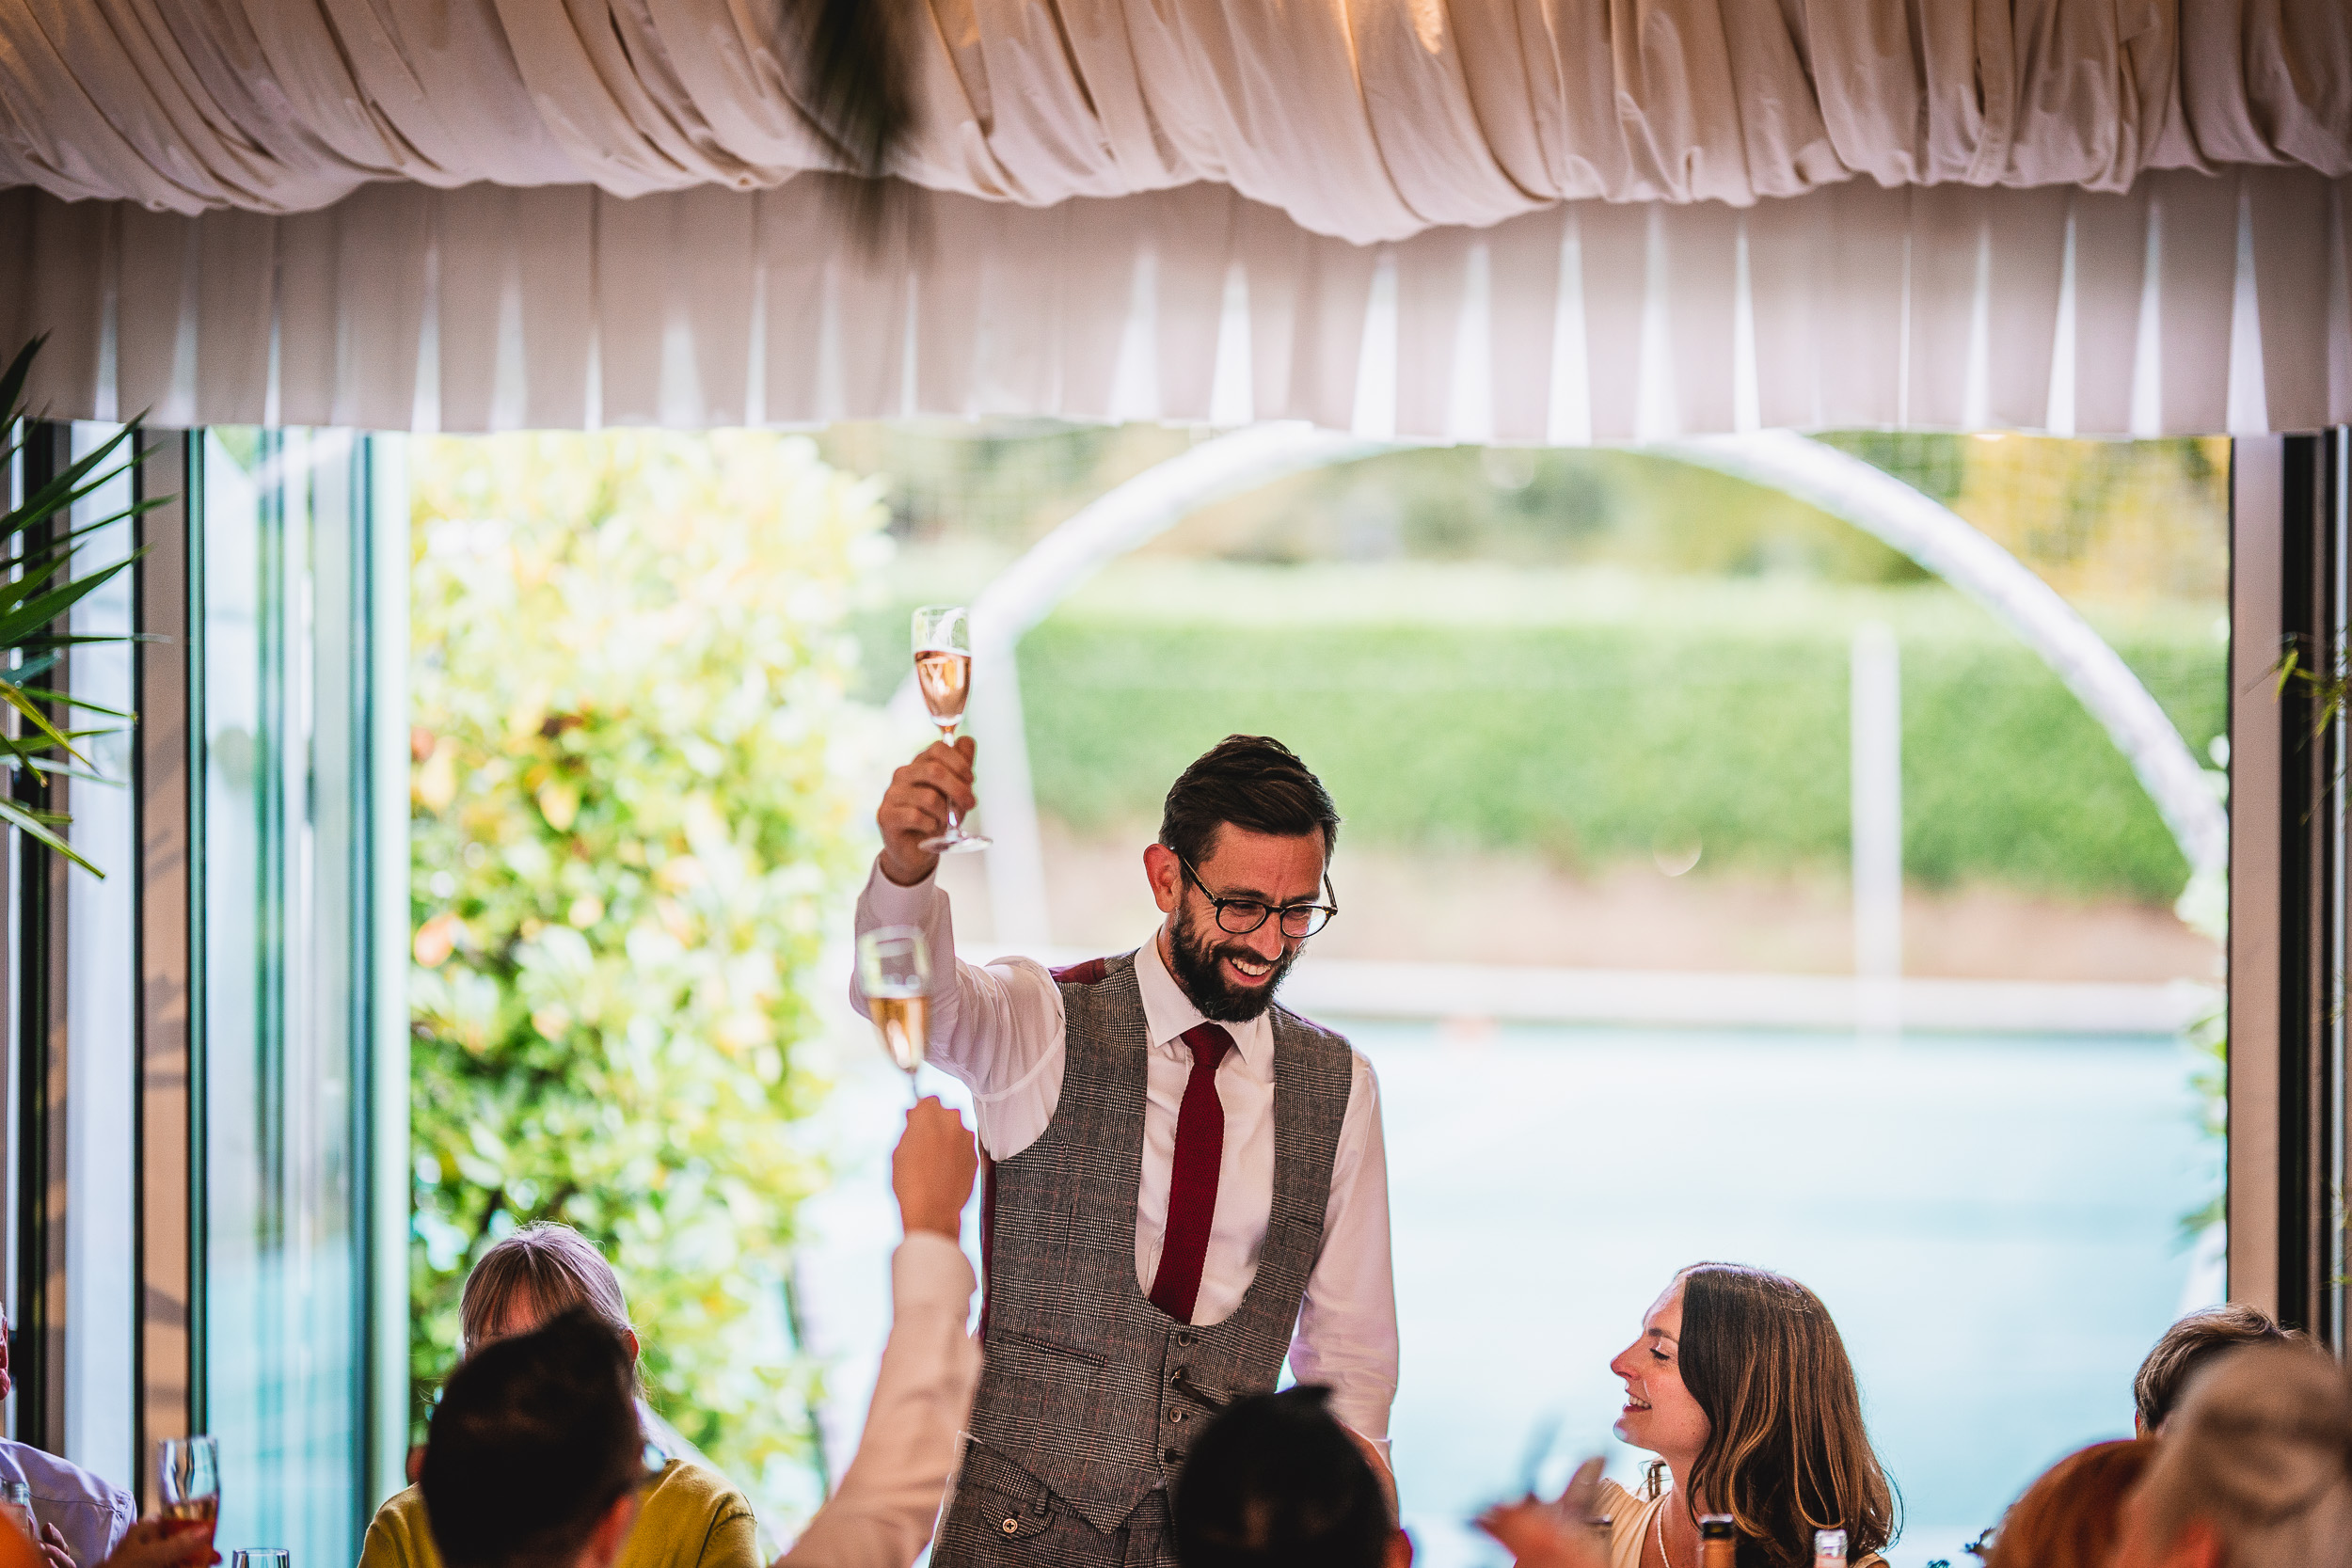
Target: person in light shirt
{"x":1185,"y":1181}
{"x":82,"y":1517}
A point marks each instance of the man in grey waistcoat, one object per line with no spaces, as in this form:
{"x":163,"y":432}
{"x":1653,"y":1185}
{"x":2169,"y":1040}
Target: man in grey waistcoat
{"x":1185,"y":1182}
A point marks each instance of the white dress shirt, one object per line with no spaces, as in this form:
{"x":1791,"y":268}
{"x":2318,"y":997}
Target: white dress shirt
{"x":89,"y":1510}
{"x":999,"y":1029}
{"x":883,"y":1513}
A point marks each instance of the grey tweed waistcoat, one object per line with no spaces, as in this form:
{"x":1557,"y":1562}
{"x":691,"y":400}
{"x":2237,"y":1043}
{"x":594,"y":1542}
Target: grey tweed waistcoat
{"x":1087,"y":1385}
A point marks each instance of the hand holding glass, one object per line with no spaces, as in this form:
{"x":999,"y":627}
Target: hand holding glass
{"x":188,"y":1473}
{"x":943,"y":669}
{"x":894,"y":971}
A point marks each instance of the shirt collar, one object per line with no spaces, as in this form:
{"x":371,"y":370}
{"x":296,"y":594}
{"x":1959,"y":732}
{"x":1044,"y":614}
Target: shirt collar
{"x":1168,"y":1012}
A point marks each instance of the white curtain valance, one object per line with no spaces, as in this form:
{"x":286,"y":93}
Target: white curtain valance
{"x":2187,"y":305}
{"x":1365,"y":119}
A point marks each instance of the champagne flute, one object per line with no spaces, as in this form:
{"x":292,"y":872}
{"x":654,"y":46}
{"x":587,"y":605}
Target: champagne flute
{"x":943,"y":668}
{"x":188,"y":1469}
{"x":16,"y":1506}
{"x":894,"y":970}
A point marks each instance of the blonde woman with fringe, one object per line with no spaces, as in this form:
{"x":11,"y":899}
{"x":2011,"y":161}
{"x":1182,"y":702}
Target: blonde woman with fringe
{"x":692,"y":1515}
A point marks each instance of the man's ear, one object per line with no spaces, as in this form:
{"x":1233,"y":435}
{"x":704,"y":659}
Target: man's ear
{"x":612,"y":1532}
{"x":1166,"y":876}
{"x":1400,"y":1551}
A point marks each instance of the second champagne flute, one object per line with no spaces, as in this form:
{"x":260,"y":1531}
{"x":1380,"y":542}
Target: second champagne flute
{"x":188,"y":1472}
{"x":943,"y":668}
{"x":894,"y":970}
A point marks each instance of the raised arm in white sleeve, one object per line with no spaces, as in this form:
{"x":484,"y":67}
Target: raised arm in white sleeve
{"x":1346,"y":1334}
{"x":997,"y":1028}
{"x":883,"y":1515}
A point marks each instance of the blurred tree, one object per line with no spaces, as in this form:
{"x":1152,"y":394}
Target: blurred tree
{"x":629,"y":819}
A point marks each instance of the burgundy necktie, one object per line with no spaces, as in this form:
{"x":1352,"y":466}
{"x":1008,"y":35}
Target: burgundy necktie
{"x":1192,"y":1176}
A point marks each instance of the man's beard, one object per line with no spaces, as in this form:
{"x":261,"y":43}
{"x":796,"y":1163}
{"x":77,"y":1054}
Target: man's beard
{"x":1219,"y":999}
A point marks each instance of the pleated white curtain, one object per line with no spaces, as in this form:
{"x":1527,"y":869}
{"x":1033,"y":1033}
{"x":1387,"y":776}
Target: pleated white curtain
{"x":1365,"y":119}
{"x":2188,"y":304}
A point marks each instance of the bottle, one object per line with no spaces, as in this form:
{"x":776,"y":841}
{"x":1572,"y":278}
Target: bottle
{"x":1829,"y":1549}
{"x":1719,"y":1541}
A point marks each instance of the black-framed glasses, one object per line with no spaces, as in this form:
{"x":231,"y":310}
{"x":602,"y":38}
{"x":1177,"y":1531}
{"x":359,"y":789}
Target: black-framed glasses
{"x":1240,"y":916}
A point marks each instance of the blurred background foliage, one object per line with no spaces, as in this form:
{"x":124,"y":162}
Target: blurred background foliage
{"x":631,"y":826}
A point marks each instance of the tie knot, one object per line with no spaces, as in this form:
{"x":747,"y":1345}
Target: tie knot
{"x":1209,"y":1042}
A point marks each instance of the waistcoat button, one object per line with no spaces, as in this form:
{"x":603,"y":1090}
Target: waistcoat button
{"x":1186,"y":1337}
{"x":1012,"y":1526}
{"x":1173,"y":1456}
{"x":1175,"y":1415}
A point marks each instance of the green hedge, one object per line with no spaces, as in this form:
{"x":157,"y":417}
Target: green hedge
{"x":1600,"y":728}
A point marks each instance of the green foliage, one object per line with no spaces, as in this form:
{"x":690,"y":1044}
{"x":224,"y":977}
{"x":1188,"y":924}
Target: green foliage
{"x":629,"y":819}
{"x":37,"y":592}
{"x":1595,"y":718}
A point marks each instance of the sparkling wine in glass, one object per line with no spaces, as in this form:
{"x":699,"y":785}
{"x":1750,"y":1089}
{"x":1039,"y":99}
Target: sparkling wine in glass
{"x":894,"y":970}
{"x":16,"y":1506}
{"x":943,"y":669}
{"x":189,"y":1470}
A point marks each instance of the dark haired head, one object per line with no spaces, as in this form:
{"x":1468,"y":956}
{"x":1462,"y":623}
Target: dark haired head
{"x":2192,"y":1344}
{"x":1250,"y":781}
{"x":1787,"y":1452}
{"x":1276,"y":1483}
{"x":535,"y":1439}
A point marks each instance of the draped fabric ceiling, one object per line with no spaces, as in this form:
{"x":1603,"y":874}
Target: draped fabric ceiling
{"x":1516,"y":219}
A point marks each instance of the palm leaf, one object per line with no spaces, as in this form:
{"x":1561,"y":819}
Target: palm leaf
{"x":37,"y":592}
{"x":32,"y":823}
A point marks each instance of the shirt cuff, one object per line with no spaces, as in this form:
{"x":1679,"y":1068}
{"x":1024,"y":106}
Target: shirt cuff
{"x":892,"y":905}
{"x":929,"y":1270}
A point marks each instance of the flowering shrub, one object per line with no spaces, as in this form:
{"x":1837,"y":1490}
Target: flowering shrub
{"x":628,"y":820}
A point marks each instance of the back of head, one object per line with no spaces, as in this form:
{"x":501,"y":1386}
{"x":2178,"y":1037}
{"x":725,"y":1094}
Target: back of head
{"x":534,"y":1438}
{"x":2189,"y":1346}
{"x":1253,"y":783}
{"x":542,"y":1269}
{"x":2261,"y":1450}
{"x":1274,"y":1482}
{"x":1787,"y":1452}
{"x":2069,"y":1517}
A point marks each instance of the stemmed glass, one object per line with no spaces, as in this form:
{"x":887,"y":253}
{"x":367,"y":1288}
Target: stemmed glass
{"x":188,"y":1469}
{"x":943,"y":668}
{"x":894,"y":970}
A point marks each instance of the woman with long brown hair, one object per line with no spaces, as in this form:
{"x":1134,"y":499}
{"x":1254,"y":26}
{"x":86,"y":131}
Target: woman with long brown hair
{"x":1740,"y":1385}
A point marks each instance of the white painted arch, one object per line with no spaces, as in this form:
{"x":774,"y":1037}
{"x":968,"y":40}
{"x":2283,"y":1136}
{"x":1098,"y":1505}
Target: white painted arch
{"x":1920,"y":527}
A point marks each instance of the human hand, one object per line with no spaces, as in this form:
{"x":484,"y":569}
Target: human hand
{"x":1552,"y":1534}
{"x":915,"y":806}
{"x":53,"y":1548}
{"x":932,"y":1168}
{"x":158,"y":1542}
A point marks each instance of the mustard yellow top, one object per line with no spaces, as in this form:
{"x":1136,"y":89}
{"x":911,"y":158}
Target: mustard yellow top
{"x":1629,"y":1523}
{"x":691,"y":1518}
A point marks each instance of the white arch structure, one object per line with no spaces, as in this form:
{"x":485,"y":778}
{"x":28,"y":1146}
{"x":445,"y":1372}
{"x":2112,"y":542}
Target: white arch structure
{"x":1843,"y":485}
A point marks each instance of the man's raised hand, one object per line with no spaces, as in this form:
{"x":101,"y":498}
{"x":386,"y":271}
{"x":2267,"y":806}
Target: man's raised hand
{"x":915,"y":805}
{"x":933,"y":1170}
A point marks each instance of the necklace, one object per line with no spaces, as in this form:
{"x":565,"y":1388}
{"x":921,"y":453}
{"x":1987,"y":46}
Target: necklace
{"x":1659,"y":1519}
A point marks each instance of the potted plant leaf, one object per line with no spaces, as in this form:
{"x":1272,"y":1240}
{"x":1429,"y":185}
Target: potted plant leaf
{"x":38,"y":539}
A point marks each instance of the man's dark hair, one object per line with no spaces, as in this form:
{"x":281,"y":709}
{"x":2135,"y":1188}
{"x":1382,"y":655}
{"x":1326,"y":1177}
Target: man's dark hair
{"x":2189,"y":1345}
{"x":1251,"y":782}
{"x":1274,"y":1482}
{"x":536,"y":1436}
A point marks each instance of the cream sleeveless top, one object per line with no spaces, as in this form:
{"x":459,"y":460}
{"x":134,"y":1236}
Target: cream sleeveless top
{"x":1632,"y":1519}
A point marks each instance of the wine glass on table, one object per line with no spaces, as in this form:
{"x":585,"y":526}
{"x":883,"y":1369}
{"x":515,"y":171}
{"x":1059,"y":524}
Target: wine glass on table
{"x":943,"y":668}
{"x":188,"y":1473}
{"x":894,"y":970}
